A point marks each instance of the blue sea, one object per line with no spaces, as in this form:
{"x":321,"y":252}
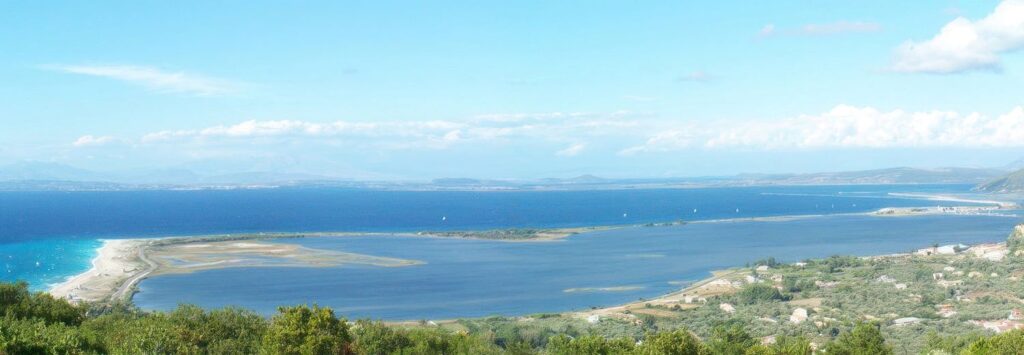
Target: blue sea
{"x":47,"y":236}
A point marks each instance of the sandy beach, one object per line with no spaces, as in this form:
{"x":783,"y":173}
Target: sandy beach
{"x":122,"y":263}
{"x":947,"y":198}
{"x":118,"y":265}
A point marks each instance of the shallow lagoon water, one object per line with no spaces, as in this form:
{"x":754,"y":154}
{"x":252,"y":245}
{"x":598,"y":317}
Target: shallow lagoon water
{"x":48,"y":236}
{"x":471,"y":278}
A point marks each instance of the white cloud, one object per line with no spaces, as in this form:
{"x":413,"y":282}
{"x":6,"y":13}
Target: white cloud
{"x":842,"y":127}
{"x":963,"y":45}
{"x":492,"y":129}
{"x":571,"y":150}
{"x":154,"y":79}
{"x":639,"y":98}
{"x":847,"y":127}
{"x":839,"y":28}
{"x":90,"y":140}
{"x":698,"y":76}
{"x":821,"y":29}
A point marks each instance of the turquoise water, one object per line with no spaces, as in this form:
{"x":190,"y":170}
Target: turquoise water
{"x":471,"y":278}
{"x":46,"y":262}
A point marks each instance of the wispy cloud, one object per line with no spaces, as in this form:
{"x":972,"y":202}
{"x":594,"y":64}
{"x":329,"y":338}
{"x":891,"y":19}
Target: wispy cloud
{"x":697,"y":76}
{"x":91,"y":140}
{"x":639,"y":98}
{"x":820,"y":29}
{"x":571,"y":150}
{"x":964,"y":45}
{"x":154,"y":78}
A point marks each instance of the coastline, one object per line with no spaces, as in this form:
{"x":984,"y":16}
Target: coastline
{"x":949,"y":198}
{"x":120,"y":264}
{"x":117,"y":267}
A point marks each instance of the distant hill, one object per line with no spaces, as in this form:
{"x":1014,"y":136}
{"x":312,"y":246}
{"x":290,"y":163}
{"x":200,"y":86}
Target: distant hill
{"x":1012,"y":182}
{"x":34,"y":170}
{"x":882,"y":176}
{"x":54,"y":176}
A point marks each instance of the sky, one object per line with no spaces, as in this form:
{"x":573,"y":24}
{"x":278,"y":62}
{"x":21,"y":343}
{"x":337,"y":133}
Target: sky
{"x":524,"y":89}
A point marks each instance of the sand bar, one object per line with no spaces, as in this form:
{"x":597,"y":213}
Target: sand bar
{"x":117,"y":261}
{"x":121,"y":264}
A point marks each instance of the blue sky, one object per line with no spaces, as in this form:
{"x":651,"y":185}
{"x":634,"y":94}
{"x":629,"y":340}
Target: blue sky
{"x":400,"y":90}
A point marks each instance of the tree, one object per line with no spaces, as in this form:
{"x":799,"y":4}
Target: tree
{"x":863,"y":339}
{"x":759,"y":292}
{"x":1009,"y":343}
{"x":783,"y":345}
{"x":377,"y":338}
{"x":35,"y":336}
{"x":303,"y":330}
{"x":677,"y":342}
{"x":732,"y":339}
{"x":589,"y":345}
{"x":16,"y":301}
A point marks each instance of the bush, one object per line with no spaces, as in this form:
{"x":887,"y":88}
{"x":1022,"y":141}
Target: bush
{"x":306,"y":330}
{"x":589,"y":345}
{"x":36,"y":336}
{"x":863,"y":339}
{"x":759,"y":292}
{"x":16,"y":301}
{"x":1009,"y":343}
{"x":677,"y":342}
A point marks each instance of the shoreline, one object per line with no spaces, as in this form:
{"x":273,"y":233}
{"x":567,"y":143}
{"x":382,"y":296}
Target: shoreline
{"x":121,"y":264}
{"x":951,"y":198}
{"x":116,"y":268}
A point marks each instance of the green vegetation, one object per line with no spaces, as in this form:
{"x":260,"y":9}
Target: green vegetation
{"x":35,"y":323}
{"x":1016,"y":240}
{"x":758,"y":292}
{"x":1012,"y":182}
{"x":511,"y":234}
{"x":902,"y":304}
{"x":864,"y":339}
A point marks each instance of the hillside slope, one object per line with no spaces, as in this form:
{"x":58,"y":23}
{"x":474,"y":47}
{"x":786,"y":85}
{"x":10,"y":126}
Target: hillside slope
{"x":1012,"y":182}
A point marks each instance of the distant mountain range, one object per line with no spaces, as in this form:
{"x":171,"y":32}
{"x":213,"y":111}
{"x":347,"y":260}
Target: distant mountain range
{"x":52,"y":176}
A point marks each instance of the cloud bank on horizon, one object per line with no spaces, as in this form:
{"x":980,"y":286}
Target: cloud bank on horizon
{"x":844,"y":126}
{"x":614,"y":98}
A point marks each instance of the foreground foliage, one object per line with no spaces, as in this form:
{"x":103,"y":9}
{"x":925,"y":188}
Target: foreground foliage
{"x":35,"y":323}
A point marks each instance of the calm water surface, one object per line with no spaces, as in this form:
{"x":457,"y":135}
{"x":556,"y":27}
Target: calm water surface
{"x":466,"y":278}
{"x":46,"y":237}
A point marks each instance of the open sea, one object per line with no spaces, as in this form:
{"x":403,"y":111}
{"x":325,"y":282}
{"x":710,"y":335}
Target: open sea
{"x":46,"y":237}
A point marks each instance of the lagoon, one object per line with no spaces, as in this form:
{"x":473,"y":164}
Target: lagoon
{"x":473,"y":278}
{"x":48,"y":236}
